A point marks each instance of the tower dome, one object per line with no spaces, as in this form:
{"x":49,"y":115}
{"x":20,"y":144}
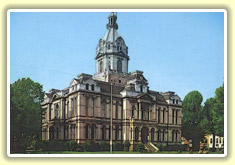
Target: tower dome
{"x":111,"y":51}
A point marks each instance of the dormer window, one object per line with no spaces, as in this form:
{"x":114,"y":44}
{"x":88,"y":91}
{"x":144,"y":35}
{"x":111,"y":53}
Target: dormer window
{"x":87,"y":86}
{"x":176,"y":101}
{"x":141,"y":88}
{"x":173,"y":101}
{"x":92,"y":87}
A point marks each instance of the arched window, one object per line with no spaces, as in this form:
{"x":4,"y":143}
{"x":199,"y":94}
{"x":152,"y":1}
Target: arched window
{"x":116,"y":133}
{"x":152,"y":134}
{"x":159,"y":136}
{"x":56,"y":111}
{"x":93,"y":131}
{"x":87,"y":131}
{"x":103,"y":132}
{"x":173,"y":133}
{"x":176,"y":136}
{"x":136,"y":134}
{"x":101,"y":66}
{"x":119,"y":66}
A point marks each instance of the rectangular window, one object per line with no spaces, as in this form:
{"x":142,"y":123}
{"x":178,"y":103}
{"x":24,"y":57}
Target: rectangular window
{"x":159,"y":115}
{"x":176,"y":117}
{"x":72,"y":107}
{"x":163,"y":118}
{"x":75,"y":106}
{"x":93,"y":107}
{"x":87,"y":102}
{"x":173,"y":116}
{"x":117,"y":111}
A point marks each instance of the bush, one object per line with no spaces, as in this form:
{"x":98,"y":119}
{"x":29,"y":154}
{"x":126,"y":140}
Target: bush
{"x":91,"y":146}
{"x":126,"y":145}
{"x":37,"y":145}
{"x":54,"y":145}
{"x":79,"y":148}
{"x":72,"y":145}
{"x":161,"y":147}
{"x":141,"y":148}
{"x":104,"y":146}
{"x":118,"y":146}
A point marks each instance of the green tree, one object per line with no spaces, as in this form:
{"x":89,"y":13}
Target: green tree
{"x":218,"y":111}
{"x":25,"y":112}
{"x":208,"y":122}
{"x":214,"y":114}
{"x":192,"y":126}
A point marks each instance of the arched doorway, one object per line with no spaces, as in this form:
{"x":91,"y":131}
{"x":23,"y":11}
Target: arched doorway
{"x":144,"y":135}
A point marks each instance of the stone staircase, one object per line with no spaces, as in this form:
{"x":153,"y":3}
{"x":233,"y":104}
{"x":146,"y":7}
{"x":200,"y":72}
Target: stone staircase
{"x":151,"y":148}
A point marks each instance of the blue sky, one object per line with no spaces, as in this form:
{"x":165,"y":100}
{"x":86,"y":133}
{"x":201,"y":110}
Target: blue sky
{"x":178,"y":52}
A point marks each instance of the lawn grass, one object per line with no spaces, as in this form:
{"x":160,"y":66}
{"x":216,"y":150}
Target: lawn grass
{"x":107,"y":152}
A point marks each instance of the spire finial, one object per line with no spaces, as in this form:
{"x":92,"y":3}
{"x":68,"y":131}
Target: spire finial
{"x":112,"y":21}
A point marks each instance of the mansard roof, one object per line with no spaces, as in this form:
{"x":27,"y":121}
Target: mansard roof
{"x":106,"y":87}
{"x":159,"y":98}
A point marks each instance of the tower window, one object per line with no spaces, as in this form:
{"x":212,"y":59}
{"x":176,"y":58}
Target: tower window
{"x":119,"y":66}
{"x":108,"y":47}
{"x":101,"y":66}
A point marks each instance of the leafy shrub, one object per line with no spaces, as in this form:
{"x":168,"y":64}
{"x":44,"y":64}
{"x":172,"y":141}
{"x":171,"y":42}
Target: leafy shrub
{"x":161,"y":147}
{"x":104,"y":146}
{"x":72,"y":145}
{"x":126,"y":145}
{"x":54,"y":145}
{"x":37,"y":145}
{"x":118,"y":146}
{"x":91,"y":146}
{"x":79,"y":148}
{"x":141,"y":148}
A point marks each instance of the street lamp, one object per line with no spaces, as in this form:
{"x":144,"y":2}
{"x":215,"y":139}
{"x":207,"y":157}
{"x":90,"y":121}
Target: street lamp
{"x":111,"y":118}
{"x":111,"y":113}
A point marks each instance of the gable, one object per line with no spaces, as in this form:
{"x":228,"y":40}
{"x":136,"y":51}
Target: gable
{"x":145,"y":97}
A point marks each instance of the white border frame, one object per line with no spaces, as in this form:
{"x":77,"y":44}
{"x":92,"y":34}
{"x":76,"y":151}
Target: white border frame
{"x":116,"y":10}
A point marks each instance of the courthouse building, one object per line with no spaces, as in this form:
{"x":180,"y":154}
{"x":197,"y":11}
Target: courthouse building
{"x":81,"y":111}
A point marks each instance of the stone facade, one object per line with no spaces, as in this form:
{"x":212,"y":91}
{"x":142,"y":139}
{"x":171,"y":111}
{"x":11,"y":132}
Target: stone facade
{"x":81,"y":112}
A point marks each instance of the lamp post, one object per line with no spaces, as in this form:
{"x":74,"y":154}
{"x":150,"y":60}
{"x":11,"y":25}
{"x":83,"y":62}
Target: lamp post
{"x":111,"y":118}
{"x":111,"y":113}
